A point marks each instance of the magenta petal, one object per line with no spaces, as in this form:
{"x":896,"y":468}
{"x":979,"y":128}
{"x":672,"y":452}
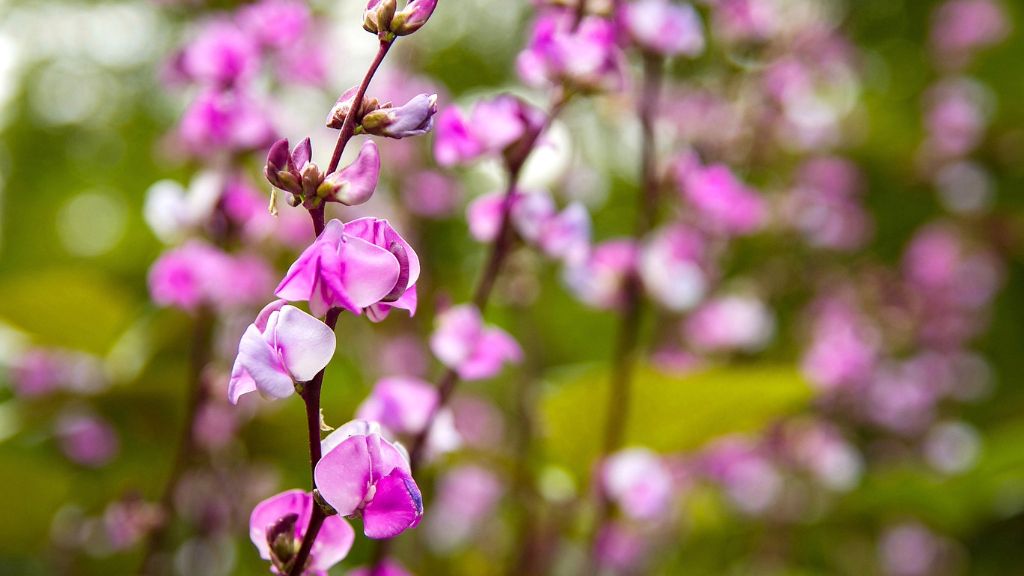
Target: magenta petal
{"x":494,"y":348}
{"x":300,"y":280}
{"x":332,"y":544}
{"x":396,"y":506}
{"x":343,"y":475}
{"x":370,"y":272}
{"x":269,"y":511}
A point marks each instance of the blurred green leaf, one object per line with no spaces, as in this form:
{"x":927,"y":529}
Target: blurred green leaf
{"x":73,"y":308}
{"x":689,"y":410}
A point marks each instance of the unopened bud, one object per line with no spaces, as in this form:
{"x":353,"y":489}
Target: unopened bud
{"x":412,"y":17}
{"x":343,"y":107}
{"x":281,"y":538}
{"x":378,"y":15}
{"x":414,"y":118}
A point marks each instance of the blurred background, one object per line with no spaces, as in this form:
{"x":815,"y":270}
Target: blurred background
{"x":775,"y":470}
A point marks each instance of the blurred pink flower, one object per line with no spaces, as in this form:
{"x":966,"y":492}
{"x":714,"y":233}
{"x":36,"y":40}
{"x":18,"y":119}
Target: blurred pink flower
{"x":639,"y":483}
{"x":463,"y":342}
{"x":662,"y":27}
{"x":86,"y":439}
{"x":600,"y":279}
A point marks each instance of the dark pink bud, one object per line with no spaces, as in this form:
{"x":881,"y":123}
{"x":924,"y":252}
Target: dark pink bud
{"x":378,"y":15}
{"x":301,"y":155}
{"x":280,"y":171}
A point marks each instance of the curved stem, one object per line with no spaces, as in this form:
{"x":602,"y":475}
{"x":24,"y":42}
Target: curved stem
{"x":202,"y":336}
{"x":349,"y":127}
{"x":631,"y":316}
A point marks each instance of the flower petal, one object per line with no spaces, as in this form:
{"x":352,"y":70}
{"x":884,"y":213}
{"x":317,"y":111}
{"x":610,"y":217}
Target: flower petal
{"x":343,"y":475}
{"x":370,"y":272}
{"x":332,"y":544}
{"x":396,"y":506}
{"x":263,"y":364}
{"x":306,"y":344}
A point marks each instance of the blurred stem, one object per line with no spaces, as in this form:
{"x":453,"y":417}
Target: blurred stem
{"x":631,"y":316}
{"x":311,"y":390}
{"x":199,"y":357}
{"x":500,"y":249}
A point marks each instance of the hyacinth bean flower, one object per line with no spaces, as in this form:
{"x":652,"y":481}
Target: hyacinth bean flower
{"x":462,"y":342}
{"x":283,"y":346}
{"x":730,"y":323}
{"x":562,"y":235}
{"x":353,"y":266}
{"x":276,"y":23}
{"x":639,"y":482}
{"x":663,"y":28}
{"x":725,"y":204}
{"x":277,"y":526}
{"x":197,"y":274}
{"x":355,"y":183}
{"x":219,"y":121}
{"x":363,"y":474}
{"x":382,"y":16}
{"x":599,"y":280}
{"x":584,"y":57}
{"x":494,"y":126}
{"x":414,"y":118}
{"x":403,"y":405}
{"x":672,"y":267}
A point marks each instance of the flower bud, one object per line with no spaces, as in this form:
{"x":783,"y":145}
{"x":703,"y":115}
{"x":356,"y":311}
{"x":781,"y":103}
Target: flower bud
{"x":354,"y":184}
{"x":312,"y":178}
{"x":414,"y":118}
{"x":378,"y":15}
{"x":280,"y":169}
{"x":343,"y":107}
{"x":281,"y":538}
{"x":412,"y":17}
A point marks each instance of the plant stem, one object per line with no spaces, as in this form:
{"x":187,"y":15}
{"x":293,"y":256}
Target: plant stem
{"x":199,"y":357}
{"x":349,"y":127}
{"x":631,"y":316}
{"x":311,"y":390}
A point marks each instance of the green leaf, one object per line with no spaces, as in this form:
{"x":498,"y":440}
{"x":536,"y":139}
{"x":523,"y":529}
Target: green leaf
{"x":668,"y":413}
{"x":76,"y":309}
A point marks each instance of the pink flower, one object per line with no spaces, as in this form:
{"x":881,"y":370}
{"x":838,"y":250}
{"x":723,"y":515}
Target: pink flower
{"x":222,"y":55}
{"x":955,"y":117}
{"x":86,"y":439}
{"x":639,"y":482}
{"x":276,"y":23}
{"x":484,"y":215}
{"x":495,"y":126}
{"x":362,"y":474}
{"x":283,"y":346}
{"x":357,"y":265}
{"x":564,"y":235}
{"x":961,"y":27}
{"x":41,"y":371}
{"x":355,"y":183}
{"x":845,"y":347}
{"x":600,"y":279}
{"x":401,"y":405}
{"x":278,"y":524}
{"x":661,"y":27}
{"x":722,"y":201}
{"x":672,"y":267}
{"x":431,"y":194}
{"x":585,"y":58}
{"x":228,"y":121}
{"x":825,"y":205}
{"x":730,"y":323}
{"x":465,"y":501}
{"x":186,"y":277}
{"x":463,"y":342}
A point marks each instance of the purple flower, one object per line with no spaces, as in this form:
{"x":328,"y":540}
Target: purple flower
{"x":961,"y":27}
{"x":222,"y":55}
{"x":465,"y":501}
{"x":845,"y":347}
{"x":355,"y":183}
{"x":825,"y":205}
{"x":362,"y":474}
{"x":585,"y":58}
{"x":401,"y":405}
{"x":661,"y":27}
{"x":564,"y":235}
{"x":276,"y":23}
{"x":197,"y":274}
{"x":484,"y":215}
{"x":414,"y":118}
{"x":283,"y":346}
{"x":278,"y":524}
{"x":673,"y":267}
{"x":228,"y":121}
{"x":730,"y":323}
{"x":86,"y":439}
{"x":463,"y":342}
{"x":495,"y":126}
{"x":600,"y":279}
{"x":724,"y":203}
{"x":955,"y":117}
{"x":354,"y":266}
{"x":639,"y":482}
